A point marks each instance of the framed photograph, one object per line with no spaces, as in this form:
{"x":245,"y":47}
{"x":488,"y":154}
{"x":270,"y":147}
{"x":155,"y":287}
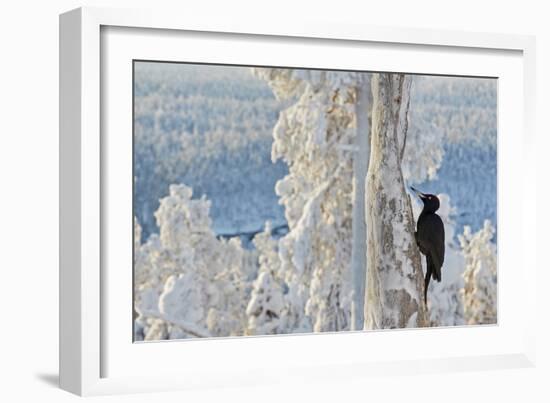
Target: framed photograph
{"x":237,"y":198}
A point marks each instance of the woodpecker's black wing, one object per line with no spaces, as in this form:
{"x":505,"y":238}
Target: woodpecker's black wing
{"x":431,"y":241}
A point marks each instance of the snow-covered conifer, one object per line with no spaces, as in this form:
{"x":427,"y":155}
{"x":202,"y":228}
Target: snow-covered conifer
{"x":266,"y":309}
{"x":480,"y":276}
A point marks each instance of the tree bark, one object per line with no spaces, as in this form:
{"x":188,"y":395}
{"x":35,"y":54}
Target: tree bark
{"x":359,"y":226}
{"x":394,"y":283}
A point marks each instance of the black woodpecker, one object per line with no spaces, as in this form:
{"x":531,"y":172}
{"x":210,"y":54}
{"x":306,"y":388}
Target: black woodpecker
{"x":430,"y":238}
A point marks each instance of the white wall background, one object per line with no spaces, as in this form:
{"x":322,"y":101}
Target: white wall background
{"x":29,"y":198}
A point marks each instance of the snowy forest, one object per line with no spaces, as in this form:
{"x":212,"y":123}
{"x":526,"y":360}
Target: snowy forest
{"x":274,"y":201}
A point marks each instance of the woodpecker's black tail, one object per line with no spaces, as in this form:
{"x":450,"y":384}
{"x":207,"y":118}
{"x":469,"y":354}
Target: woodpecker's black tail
{"x":436,"y":271}
{"x":429,"y":267}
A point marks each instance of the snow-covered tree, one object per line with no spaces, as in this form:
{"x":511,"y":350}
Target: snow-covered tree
{"x":267,"y":307}
{"x":180,"y":303}
{"x":321,"y":98}
{"x":480,"y":276}
{"x":229,"y":288}
{"x":315,"y":136}
{"x":395,"y":278}
{"x":188,"y":282}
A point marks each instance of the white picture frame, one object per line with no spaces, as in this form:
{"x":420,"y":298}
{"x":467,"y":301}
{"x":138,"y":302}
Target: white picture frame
{"x":88,"y":306}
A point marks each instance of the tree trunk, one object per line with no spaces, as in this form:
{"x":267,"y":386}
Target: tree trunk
{"x":394,"y":278}
{"x":359,"y":227}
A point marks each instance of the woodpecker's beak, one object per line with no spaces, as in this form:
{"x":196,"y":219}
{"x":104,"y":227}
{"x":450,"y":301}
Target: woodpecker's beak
{"x":418,"y":193}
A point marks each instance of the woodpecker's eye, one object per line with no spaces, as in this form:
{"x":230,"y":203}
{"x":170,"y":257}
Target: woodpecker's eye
{"x":429,"y":197}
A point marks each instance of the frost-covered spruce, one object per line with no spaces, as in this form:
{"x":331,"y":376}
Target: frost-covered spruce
{"x":266,"y":310}
{"x":265,"y":306}
{"x":394,"y":277}
{"x":480,"y":276}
